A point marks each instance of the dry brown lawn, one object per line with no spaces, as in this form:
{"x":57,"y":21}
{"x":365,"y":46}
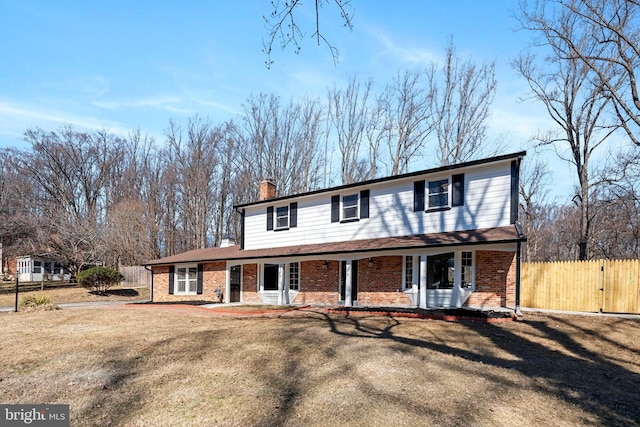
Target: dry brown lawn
{"x":75,"y":294}
{"x":176,"y":366}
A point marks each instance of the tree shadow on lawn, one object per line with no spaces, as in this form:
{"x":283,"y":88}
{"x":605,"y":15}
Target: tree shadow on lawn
{"x":583,"y":378}
{"x":576,"y":375}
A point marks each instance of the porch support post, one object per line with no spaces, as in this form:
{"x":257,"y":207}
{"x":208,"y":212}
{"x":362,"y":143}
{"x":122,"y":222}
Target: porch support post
{"x":423,"y":281}
{"x":280,"y":284}
{"x":227,"y":285}
{"x":285,"y":282}
{"x":347,"y":285}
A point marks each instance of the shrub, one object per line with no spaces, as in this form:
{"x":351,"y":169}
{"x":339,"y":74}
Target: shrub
{"x":36,"y":302}
{"x":99,"y":279}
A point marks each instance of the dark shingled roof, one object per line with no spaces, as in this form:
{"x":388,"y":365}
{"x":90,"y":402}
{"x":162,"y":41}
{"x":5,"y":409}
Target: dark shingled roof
{"x":470,"y":237}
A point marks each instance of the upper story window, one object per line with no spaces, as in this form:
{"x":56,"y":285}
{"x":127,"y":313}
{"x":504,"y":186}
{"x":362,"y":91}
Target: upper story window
{"x":282,"y":217}
{"x":351,"y":207}
{"x":440,"y":194}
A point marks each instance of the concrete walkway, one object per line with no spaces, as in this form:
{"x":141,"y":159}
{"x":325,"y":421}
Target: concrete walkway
{"x":90,"y":304}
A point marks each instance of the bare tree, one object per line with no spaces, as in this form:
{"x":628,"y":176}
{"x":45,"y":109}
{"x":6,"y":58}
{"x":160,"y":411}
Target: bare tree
{"x":72,"y":168}
{"x":576,"y":102}
{"x":349,"y":118}
{"x":461,"y":93}
{"x":617,"y":227}
{"x":195,"y":164}
{"x":282,"y":24}
{"x":534,"y":180}
{"x":70,"y":173}
{"x":18,"y":205}
{"x":403,"y":124}
{"x":280,"y":143}
{"x":605,"y":38}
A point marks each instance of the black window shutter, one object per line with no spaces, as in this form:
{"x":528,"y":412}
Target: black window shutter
{"x":172,"y":272}
{"x":199,"y":279}
{"x":270,"y":218}
{"x":242,"y":217}
{"x":418,"y":196}
{"x":293,"y":214}
{"x":515,"y":183}
{"x":335,"y":208}
{"x":457,"y":195}
{"x":364,"y":204}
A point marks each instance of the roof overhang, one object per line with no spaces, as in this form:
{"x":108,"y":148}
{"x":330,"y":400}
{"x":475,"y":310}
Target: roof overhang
{"x":496,"y":235}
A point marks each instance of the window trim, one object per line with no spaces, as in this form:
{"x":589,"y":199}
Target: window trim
{"x":289,"y":276}
{"x":458,"y":259}
{"x":428,"y":195}
{"x":277,"y":217}
{"x":415,"y":272}
{"x":361,"y":206}
{"x":356,"y":205}
{"x":472,"y":272}
{"x":187,"y":281}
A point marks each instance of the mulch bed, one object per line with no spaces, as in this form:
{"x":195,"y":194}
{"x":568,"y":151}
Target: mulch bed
{"x":450,"y":314}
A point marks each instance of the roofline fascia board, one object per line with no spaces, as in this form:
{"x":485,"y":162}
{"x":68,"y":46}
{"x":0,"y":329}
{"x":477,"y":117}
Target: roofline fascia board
{"x":323,"y":253}
{"x":471,"y":163}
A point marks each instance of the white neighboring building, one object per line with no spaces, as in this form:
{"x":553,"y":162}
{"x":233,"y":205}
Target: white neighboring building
{"x":40,"y":269}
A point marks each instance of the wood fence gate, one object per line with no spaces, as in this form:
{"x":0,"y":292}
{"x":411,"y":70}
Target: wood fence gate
{"x":592,"y":286}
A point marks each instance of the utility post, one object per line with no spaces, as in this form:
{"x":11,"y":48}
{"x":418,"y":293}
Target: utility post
{"x":17,"y":280}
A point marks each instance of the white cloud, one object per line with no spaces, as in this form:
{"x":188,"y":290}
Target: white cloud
{"x":16,"y":118}
{"x":403,"y":53}
{"x":163,"y":103}
{"x":220,"y":106}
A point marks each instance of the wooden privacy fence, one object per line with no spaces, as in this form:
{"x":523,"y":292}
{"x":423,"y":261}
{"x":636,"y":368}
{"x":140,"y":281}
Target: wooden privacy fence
{"x":592,"y":286}
{"x":136,"y":276}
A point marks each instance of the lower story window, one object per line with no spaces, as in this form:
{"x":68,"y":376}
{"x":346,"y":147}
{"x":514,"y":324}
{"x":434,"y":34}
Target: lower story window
{"x":411,"y":271}
{"x":294,"y":276}
{"x":466,"y":279}
{"x":440,"y":271}
{"x":186,"y":279}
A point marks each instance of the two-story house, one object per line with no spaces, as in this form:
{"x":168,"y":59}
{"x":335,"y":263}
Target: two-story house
{"x":443,"y":237}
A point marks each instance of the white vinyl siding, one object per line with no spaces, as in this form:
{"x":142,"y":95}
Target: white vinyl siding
{"x":486,"y":204}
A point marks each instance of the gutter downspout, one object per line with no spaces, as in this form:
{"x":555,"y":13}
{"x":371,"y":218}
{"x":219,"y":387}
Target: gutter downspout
{"x":151,"y":289}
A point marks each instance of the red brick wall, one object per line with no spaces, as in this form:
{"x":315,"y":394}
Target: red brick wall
{"x":250,"y":284}
{"x":377,"y":285}
{"x":213,"y":276}
{"x":495,"y":279}
{"x":381,"y":284}
{"x":317,"y":285}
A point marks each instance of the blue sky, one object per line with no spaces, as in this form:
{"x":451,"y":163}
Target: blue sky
{"x":122,"y":65}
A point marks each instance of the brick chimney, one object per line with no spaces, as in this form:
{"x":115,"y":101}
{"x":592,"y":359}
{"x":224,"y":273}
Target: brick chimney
{"x":267,"y":189}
